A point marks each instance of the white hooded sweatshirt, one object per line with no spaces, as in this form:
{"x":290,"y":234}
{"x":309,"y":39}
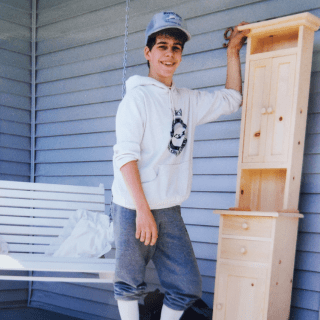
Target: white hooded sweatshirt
{"x":155,"y":125}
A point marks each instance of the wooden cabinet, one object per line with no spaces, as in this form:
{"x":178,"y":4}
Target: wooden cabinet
{"x":257,"y":238}
{"x":269,"y":111}
{"x":255,"y":265}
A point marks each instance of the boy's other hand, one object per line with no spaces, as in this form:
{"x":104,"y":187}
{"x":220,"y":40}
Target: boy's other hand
{"x":146,"y":227}
{"x":237,"y":38}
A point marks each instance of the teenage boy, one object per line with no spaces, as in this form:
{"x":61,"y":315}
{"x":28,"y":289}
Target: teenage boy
{"x":155,"y":127}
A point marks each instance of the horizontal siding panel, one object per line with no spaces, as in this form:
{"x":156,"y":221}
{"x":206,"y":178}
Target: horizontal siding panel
{"x":91,"y":181}
{"x":88,"y":308}
{"x":15,"y":87}
{"x":75,"y":155}
{"x":16,"y":45}
{"x":218,"y":130}
{"x":81,"y":291}
{"x":17,"y":142}
{"x":314,"y":102}
{"x":84,"y":22}
{"x":75,"y":127}
{"x":310,"y":183}
{"x":14,"y":168}
{"x":306,"y":280}
{"x":215,"y":165}
{"x":105,"y":139}
{"x":305,"y":299}
{"x":14,"y":155}
{"x":208,"y":200}
{"x":311,"y":163}
{"x":203,"y":234}
{"x":298,"y":314}
{"x":216,"y":148}
{"x":15,"y":101}
{"x":9,"y":177}
{"x":312,"y":144}
{"x":309,"y":203}
{"x":310,"y":222}
{"x":197,"y":216}
{"x":70,"y":9}
{"x":13,"y":114}
{"x":12,"y":30}
{"x":15,"y":73}
{"x":207,"y":267}
{"x":19,"y":4}
{"x":313,"y":123}
{"x":315,"y":82}
{"x":80,"y":98}
{"x":309,"y":242}
{"x":13,"y":295}
{"x":74,"y":169}
{"x":93,"y":81}
{"x":90,"y":111}
{"x":15,"y":128}
{"x":91,"y":51}
{"x":308,"y":261}
{"x":222,"y":183}
{"x":46,"y":4}
{"x":206,"y":251}
{"x":15,"y":15}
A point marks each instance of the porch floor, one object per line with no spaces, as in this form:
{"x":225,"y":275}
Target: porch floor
{"x":32,"y":314}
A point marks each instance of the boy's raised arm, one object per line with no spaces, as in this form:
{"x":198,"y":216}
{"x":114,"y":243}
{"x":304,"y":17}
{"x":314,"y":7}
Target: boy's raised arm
{"x":236,"y":42}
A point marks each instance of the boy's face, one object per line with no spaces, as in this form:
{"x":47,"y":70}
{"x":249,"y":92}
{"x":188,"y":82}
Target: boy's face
{"x":164,"y":58}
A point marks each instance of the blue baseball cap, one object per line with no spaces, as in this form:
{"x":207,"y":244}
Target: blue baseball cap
{"x":166,"y":20}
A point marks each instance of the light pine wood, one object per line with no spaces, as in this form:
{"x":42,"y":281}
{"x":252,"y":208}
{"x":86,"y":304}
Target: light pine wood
{"x":247,"y":226}
{"x":32,"y":215}
{"x":257,"y":238}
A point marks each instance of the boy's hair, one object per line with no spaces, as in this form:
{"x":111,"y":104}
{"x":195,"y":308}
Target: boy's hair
{"x":171,"y":32}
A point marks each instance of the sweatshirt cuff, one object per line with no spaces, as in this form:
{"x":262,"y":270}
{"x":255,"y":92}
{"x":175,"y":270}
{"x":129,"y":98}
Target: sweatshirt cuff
{"x":125,"y":152}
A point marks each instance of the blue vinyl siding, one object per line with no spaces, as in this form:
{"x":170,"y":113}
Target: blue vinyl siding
{"x":78,"y":88}
{"x":15,"y":104}
{"x":79,"y":71}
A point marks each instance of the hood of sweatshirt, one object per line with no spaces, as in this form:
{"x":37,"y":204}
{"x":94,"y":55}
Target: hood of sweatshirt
{"x":136,"y":81}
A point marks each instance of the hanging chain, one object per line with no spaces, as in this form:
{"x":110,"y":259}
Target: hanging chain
{"x":125,"y":49}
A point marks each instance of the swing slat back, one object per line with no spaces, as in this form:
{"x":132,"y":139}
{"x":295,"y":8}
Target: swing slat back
{"x":33,"y":214}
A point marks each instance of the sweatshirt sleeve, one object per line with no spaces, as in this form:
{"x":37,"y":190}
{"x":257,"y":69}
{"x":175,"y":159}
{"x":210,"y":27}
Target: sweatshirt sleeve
{"x":130,"y":124}
{"x":210,"y":106}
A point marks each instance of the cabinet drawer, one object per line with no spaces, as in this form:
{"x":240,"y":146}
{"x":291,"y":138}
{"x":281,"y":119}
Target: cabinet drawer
{"x":247,"y":226}
{"x":245,"y":250}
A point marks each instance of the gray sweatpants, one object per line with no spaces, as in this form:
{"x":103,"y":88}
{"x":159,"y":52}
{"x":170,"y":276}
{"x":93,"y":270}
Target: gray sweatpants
{"x":172,"y":256}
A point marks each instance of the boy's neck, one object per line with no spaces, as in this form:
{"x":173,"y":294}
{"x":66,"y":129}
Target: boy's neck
{"x":166,"y":81}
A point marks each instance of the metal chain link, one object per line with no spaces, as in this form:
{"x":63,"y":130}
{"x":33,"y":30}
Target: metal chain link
{"x":125,"y":49}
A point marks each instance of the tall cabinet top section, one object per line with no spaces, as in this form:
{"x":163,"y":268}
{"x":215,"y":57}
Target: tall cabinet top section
{"x":281,"y":33}
{"x":274,"y":113}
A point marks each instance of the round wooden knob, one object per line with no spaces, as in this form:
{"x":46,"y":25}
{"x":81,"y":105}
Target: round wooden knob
{"x":263,"y":110}
{"x":219,"y":306}
{"x":245,"y":225}
{"x":243,"y":250}
{"x":269,"y":110}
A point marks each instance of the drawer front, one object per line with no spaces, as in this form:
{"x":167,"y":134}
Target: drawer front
{"x":246,"y":250}
{"x":247,"y":226}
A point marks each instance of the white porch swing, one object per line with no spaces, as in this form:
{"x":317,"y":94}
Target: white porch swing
{"x":33,"y":214}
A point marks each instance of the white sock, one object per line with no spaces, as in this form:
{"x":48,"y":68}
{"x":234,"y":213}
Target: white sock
{"x":129,"y":310}
{"x":170,"y":314}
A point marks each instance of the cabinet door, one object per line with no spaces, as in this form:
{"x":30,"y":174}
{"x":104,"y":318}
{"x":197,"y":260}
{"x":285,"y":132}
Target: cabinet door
{"x":257,"y":104}
{"x":280,"y":108}
{"x":240,"y":293}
